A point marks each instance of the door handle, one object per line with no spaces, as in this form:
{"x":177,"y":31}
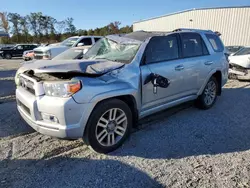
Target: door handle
{"x":179,"y":67}
{"x":209,"y":63}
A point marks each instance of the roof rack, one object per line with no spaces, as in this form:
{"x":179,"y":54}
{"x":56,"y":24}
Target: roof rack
{"x":187,"y":29}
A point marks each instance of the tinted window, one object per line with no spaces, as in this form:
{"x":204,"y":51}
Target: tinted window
{"x":96,"y":39}
{"x":215,"y":42}
{"x":86,"y":41}
{"x":162,"y":48}
{"x":193,"y":45}
{"x":19,"y":47}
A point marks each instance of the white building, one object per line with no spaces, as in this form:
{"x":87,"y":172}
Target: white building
{"x":232,"y":22}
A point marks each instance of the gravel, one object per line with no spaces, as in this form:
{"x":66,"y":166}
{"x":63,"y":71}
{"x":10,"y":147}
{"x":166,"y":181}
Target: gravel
{"x":180,"y":147}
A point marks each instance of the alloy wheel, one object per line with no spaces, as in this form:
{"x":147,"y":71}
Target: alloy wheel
{"x":111,"y":127}
{"x":210,"y":92}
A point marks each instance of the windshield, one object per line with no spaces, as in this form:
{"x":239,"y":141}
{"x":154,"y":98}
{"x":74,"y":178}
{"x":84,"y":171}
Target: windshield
{"x":72,"y":53}
{"x":113,"y":51}
{"x":70,"y":41}
{"x":243,"y":51}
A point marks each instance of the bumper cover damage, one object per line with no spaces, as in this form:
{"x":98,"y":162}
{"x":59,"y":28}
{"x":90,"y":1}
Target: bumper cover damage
{"x":239,"y":72}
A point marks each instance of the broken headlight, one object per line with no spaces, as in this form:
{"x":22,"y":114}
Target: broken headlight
{"x":61,"y":89}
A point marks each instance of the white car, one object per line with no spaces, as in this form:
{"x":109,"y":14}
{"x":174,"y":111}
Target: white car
{"x":50,"y":51}
{"x":239,"y":64}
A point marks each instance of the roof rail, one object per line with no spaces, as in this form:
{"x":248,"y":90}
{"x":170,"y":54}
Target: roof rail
{"x":187,"y":29}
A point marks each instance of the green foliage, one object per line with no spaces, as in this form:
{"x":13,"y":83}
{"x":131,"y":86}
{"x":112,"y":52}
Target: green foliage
{"x":39,"y":28}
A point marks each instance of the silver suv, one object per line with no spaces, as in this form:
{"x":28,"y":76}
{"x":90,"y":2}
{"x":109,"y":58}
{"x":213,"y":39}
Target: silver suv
{"x":121,"y":79}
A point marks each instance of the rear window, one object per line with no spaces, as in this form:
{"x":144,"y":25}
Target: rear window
{"x":215,"y":42}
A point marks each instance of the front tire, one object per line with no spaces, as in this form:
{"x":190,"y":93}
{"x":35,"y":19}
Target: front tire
{"x":109,"y":125}
{"x":209,"y":95}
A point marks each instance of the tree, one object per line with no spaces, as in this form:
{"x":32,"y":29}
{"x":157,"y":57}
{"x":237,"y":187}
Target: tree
{"x":70,"y":27}
{"x":33,"y":19}
{"x":114,"y":27}
{"x":14,"y":18}
{"x":4,"y":23}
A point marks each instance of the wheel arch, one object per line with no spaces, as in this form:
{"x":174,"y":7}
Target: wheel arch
{"x":218,"y":75}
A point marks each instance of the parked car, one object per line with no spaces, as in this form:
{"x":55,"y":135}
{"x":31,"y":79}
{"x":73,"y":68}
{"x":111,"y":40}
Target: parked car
{"x":16,"y":51}
{"x":239,"y":66}
{"x":28,"y":55}
{"x":233,"y":49}
{"x":119,"y":80}
{"x":50,"y":51}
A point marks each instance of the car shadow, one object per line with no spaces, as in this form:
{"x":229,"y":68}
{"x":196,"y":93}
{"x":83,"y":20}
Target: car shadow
{"x":224,"y":128}
{"x":72,"y":172}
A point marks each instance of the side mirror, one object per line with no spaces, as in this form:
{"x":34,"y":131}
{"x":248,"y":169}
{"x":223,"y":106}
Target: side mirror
{"x":160,"y":81}
{"x":80,"y":44}
{"x":157,"y":81}
{"x":85,"y":50}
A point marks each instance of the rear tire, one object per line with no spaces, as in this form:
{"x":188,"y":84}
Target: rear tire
{"x":209,"y":95}
{"x":7,"y":56}
{"x":108,"y":126}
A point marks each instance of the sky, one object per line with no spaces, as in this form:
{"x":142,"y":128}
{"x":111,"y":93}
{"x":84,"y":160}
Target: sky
{"x":90,"y":14}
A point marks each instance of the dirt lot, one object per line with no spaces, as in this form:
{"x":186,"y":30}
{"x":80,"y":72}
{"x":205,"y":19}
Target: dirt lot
{"x":181,"y":147}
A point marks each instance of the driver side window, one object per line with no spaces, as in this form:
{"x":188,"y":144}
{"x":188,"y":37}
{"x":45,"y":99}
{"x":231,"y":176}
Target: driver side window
{"x":162,"y":48}
{"x":19,"y":47}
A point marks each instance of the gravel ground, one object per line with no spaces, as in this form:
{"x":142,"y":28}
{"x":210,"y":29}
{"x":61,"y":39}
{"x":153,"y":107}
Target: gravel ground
{"x":180,"y":147}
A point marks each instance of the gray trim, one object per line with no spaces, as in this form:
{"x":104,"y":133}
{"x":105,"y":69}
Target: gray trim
{"x":189,"y":10}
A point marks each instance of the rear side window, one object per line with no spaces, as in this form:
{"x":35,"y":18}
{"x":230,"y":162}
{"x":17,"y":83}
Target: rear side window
{"x":215,"y":42}
{"x":193,"y":45}
{"x":162,"y":48}
{"x":96,"y":39}
{"x":86,"y":41}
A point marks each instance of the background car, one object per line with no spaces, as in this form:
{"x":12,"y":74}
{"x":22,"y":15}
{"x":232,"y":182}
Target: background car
{"x":233,"y":49}
{"x":16,"y":51}
{"x":239,"y":64}
{"x":50,"y":51}
{"x":28,"y":55}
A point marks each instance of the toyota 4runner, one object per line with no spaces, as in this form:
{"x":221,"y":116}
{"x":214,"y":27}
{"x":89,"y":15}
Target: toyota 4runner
{"x":121,"y":79}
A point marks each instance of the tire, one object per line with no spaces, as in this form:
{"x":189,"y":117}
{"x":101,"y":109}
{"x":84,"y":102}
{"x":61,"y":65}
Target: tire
{"x":209,"y":95}
{"x":97,"y":128}
{"x":7,"y":56}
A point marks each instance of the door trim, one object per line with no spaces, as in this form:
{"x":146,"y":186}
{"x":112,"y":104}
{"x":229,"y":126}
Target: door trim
{"x":166,"y":105}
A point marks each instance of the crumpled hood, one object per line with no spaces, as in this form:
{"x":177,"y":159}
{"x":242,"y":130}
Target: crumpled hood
{"x":94,"y":67}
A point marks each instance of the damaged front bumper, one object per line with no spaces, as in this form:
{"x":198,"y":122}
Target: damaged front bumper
{"x":238,"y":72}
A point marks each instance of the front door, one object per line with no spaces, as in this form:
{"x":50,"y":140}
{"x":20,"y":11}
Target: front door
{"x":19,"y":51}
{"x":162,"y":57}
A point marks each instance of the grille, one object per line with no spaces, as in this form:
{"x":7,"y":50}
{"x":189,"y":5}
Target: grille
{"x":27,"y":84}
{"x":38,"y":57}
{"x":38,"y":52}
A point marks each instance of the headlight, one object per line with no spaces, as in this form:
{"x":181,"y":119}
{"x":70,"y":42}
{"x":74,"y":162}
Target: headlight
{"x":1,"y":52}
{"x":61,"y":89}
{"x":48,"y":54}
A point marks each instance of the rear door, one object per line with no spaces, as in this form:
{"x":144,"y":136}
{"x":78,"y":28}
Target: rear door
{"x":162,"y":57}
{"x":196,"y":61}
